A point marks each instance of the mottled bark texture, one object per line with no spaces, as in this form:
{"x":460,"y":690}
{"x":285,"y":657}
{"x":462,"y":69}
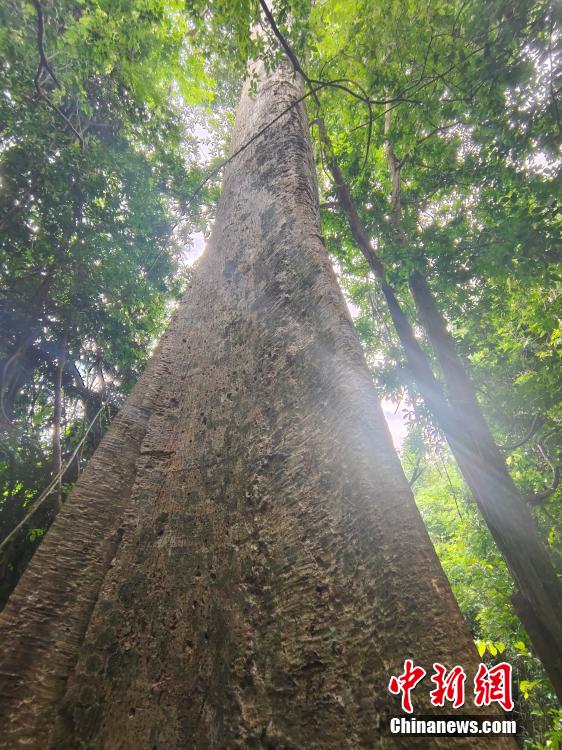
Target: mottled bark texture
{"x":242,"y":565}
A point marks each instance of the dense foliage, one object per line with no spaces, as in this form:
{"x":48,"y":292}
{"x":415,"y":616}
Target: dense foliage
{"x":444,"y":118}
{"x":97,"y":172}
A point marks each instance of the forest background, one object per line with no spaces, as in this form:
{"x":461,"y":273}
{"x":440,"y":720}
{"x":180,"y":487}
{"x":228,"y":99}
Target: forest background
{"x":442,"y":119}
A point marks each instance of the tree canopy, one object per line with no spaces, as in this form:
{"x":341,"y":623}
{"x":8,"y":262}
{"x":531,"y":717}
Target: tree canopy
{"x":444,"y":120}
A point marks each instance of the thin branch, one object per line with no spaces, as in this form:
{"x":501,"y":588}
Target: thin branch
{"x":435,"y":131}
{"x":417,"y":472}
{"x":312,"y":82}
{"x":43,"y":62}
{"x":44,"y":65}
{"x":61,"y":114}
{"x":288,"y":51}
{"x":540,"y":497}
{"x":538,"y":421}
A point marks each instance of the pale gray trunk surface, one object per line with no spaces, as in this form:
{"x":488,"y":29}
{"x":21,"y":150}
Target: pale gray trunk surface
{"x":242,"y":564}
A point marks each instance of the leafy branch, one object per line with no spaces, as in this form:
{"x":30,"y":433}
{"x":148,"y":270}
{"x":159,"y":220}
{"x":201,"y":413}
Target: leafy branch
{"x":44,"y":65}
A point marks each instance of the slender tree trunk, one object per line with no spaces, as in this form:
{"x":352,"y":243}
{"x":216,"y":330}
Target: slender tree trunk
{"x":538,"y":601}
{"x":258,"y":569}
{"x":417,"y":360}
{"x":11,"y":371}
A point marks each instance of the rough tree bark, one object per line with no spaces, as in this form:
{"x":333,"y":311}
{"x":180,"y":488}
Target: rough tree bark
{"x":242,"y":563}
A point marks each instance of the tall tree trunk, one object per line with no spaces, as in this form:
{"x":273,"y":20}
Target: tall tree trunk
{"x":252,"y":564}
{"x":538,"y":600}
